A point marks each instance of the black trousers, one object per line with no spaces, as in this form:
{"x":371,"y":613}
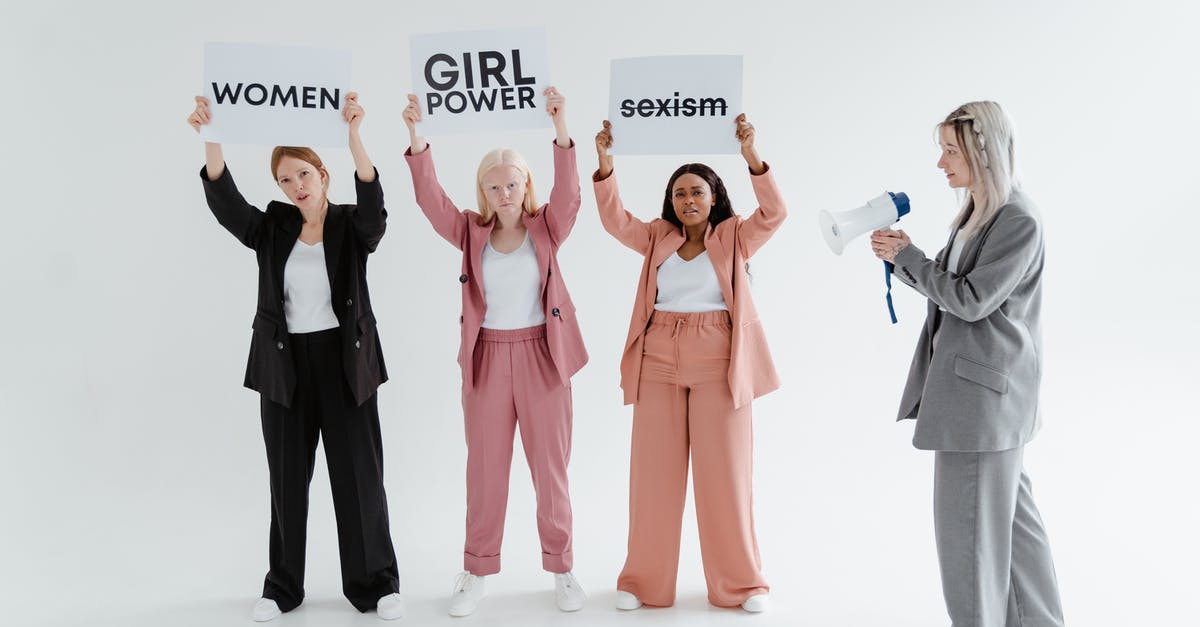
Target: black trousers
{"x":324,"y":408}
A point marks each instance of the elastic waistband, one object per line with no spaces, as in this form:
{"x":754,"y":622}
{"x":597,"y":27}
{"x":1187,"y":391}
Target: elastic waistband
{"x":698,"y":319}
{"x":316,"y":337}
{"x":512,"y":335}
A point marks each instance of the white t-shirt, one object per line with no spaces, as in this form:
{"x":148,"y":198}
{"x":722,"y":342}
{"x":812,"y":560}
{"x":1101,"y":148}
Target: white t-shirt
{"x":307,"y":298}
{"x":512,"y":287}
{"x":688,"y":286}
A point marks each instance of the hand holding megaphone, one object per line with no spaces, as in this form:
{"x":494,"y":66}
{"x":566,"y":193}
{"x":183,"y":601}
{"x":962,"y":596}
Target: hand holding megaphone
{"x":877,"y":215}
{"x":886,"y":243}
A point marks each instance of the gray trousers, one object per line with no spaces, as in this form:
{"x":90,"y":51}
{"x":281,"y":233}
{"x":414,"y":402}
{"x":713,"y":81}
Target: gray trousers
{"x":992,"y":548}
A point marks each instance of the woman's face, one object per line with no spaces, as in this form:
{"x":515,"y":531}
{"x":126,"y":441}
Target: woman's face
{"x":302,"y":182}
{"x":504,"y":188}
{"x":953,"y":161}
{"x":692,"y":199}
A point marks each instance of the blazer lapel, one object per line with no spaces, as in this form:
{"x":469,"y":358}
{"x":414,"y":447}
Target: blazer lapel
{"x":483,"y":234}
{"x":334,"y":231}
{"x":670,"y":242}
{"x":665,"y":247}
{"x":290,"y":224}
{"x":540,"y":237}
{"x":721,"y":261}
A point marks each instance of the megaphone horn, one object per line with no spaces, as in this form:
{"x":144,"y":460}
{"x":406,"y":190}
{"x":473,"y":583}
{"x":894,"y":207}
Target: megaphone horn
{"x":841,"y":227}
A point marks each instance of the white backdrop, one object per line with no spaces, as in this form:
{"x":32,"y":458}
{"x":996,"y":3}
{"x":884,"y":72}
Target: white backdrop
{"x":132,"y":473}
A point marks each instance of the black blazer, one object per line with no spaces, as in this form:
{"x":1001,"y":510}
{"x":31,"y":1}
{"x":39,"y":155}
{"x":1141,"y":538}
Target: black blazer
{"x":351,"y":233}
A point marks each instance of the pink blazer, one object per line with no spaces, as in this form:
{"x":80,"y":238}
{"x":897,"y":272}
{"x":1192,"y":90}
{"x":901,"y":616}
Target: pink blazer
{"x":729,"y":245}
{"x":548,"y":229}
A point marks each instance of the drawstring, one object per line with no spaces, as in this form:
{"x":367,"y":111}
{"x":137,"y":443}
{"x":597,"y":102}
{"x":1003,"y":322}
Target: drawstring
{"x":675,"y":344}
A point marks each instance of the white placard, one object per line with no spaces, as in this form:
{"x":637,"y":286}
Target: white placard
{"x":275,"y":95}
{"x":481,"y":81}
{"x":675,"y":104}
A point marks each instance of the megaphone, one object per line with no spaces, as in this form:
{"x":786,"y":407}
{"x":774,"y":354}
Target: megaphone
{"x":881,"y":211}
{"x":841,"y":227}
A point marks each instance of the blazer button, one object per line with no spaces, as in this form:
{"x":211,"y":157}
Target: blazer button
{"x":349,"y":301}
{"x":554,"y":312}
{"x":279,"y":345}
{"x":357,"y":344}
{"x":460,"y":319}
{"x":462,"y":278}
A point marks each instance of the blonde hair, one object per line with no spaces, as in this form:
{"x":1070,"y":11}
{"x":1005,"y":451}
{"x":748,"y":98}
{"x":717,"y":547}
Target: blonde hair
{"x":499,"y":157}
{"x":985,"y":134}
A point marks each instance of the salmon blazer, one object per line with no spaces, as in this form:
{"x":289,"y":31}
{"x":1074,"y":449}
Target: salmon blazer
{"x":729,"y":245}
{"x":548,"y":228}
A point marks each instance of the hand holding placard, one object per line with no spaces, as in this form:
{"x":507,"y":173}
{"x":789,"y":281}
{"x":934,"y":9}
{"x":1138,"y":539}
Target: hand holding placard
{"x":201,"y":114}
{"x":745,"y":136}
{"x":214,"y":157}
{"x":556,"y":106}
{"x":353,"y":112}
{"x":412,"y":115}
{"x":604,"y":141}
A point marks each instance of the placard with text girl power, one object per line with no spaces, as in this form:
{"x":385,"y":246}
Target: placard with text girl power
{"x":675,"y":105}
{"x":481,"y":80}
{"x":275,"y":95}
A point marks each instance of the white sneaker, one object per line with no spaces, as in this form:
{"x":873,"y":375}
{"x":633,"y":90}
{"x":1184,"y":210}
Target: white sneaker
{"x":468,"y":591}
{"x":757,"y":603}
{"x":265,"y":610}
{"x":390,"y":607}
{"x":568,"y":593}
{"x":627,"y":601}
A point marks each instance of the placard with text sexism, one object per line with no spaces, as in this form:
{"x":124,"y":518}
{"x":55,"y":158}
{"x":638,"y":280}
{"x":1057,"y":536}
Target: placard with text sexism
{"x":481,"y":80}
{"x":676,"y":105}
{"x":275,"y":95}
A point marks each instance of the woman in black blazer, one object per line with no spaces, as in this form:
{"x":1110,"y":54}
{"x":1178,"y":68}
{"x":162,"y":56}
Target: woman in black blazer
{"x":315,"y":360}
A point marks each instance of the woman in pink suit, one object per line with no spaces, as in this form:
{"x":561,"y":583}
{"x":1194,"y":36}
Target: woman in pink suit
{"x":694,"y":359}
{"x":520,"y":346}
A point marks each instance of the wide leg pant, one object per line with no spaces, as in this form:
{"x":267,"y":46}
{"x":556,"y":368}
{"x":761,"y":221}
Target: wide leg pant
{"x":516,"y":383}
{"x":324,"y":408}
{"x":684,"y":404}
{"x":992,"y":547}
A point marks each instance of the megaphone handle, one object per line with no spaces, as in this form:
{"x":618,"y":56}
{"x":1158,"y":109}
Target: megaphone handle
{"x":887,"y":278}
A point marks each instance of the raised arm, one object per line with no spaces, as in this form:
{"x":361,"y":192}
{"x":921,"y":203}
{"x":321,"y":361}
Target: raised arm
{"x":446,"y":219}
{"x":412,"y":115}
{"x":619,"y":223}
{"x":370,"y":217}
{"x":762,"y":224}
{"x":564,"y":195}
{"x":214,"y":158}
{"x":353,"y":113}
{"x":224,"y":200}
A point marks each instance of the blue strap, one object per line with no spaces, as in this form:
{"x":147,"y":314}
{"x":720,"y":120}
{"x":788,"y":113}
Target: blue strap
{"x":887,"y":278}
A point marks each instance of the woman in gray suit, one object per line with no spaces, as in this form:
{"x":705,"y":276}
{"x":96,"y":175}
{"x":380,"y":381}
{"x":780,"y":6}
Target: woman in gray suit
{"x":973,"y":383}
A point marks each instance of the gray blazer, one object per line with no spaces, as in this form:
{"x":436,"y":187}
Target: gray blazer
{"x":973,"y":383}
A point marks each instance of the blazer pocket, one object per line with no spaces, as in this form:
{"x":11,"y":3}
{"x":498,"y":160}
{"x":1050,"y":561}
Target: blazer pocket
{"x":981,"y":374}
{"x":266,"y":326}
{"x":366,"y":323}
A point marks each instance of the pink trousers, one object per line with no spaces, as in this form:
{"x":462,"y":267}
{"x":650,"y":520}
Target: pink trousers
{"x":516,"y":384}
{"x":684,"y":405}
